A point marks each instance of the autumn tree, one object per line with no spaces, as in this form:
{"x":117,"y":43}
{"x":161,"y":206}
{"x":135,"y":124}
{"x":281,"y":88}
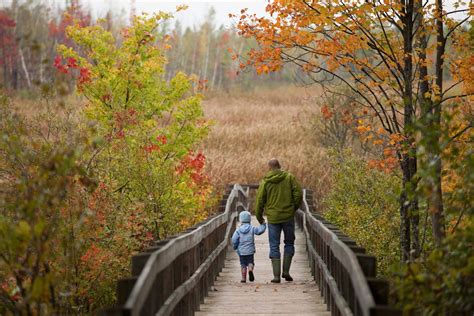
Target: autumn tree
{"x":7,"y":45}
{"x":150,"y":126}
{"x":391,"y":54}
{"x":30,"y":30}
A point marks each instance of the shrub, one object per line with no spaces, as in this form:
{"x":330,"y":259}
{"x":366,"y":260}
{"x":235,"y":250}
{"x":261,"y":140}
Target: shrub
{"x":79,"y":195}
{"x":442,"y":282}
{"x":41,"y":186}
{"x":149,"y":127}
{"x":363,"y":203}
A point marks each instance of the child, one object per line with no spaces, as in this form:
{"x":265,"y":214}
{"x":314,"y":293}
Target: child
{"x":243,"y":242}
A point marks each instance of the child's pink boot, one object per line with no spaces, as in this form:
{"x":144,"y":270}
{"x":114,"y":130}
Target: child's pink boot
{"x":244,"y":275}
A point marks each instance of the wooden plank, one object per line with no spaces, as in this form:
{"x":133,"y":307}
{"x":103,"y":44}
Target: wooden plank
{"x":230,"y":297}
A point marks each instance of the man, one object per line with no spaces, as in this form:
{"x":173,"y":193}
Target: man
{"x":279,"y":196}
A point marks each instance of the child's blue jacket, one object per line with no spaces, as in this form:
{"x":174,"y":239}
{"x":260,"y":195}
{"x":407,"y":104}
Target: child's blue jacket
{"x":243,"y":238}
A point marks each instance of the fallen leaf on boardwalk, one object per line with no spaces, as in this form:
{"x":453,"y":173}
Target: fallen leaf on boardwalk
{"x":275,"y":290}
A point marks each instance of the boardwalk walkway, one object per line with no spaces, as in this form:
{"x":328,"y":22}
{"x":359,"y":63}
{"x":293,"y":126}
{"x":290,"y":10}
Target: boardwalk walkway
{"x":230,"y":297}
{"x":176,"y":275}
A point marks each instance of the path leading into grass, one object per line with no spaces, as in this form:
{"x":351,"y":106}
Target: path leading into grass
{"x":230,"y":297}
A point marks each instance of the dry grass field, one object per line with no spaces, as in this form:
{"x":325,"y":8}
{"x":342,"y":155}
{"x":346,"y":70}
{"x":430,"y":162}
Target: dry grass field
{"x":249,"y":129}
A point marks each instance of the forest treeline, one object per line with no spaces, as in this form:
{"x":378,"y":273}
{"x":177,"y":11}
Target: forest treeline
{"x":30,"y":31}
{"x":105,"y":160}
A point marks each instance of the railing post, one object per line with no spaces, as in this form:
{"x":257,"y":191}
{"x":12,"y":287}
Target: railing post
{"x":124,"y":287}
{"x":195,"y":292}
{"x":367,"y":264}
{"x":202,"y":290}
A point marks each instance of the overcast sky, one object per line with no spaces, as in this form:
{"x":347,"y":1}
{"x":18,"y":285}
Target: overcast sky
{"x":194,"y":15}
{"x":197,"y":8}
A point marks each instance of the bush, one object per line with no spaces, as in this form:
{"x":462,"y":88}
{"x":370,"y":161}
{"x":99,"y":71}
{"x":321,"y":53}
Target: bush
{"x":442,"y":282}
{"x":80,"y":194}
{"x":41,"y":198}
{"x":149,"y":127}
{"x":363,"y":202}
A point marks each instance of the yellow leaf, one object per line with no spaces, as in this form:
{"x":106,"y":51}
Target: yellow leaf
{"x":181,"y":7}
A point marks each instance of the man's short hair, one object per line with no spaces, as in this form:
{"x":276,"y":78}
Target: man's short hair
{"x":274,"y":163}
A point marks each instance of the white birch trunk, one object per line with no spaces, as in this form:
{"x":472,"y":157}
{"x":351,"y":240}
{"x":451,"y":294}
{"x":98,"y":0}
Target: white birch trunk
{"x":25,"y":70}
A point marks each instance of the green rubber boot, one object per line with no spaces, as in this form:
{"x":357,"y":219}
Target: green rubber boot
{"x":276,"y":264}
{"x":286,"y":268}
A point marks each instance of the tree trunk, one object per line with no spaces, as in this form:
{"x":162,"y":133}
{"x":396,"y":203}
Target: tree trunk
{"x":424,"y":90}
{"x":435,"y":201}
{"x":4,"y":62}
{"x":14,"y":75}
{"x":25,"y":69}
{"x":208,"y":53}
{"x":414,"y":210}
{"x":216,"y":64}
{"x":409,"y":233}
{"x":409,"y":212}
{"x":193,"y":63}
{"x":404,"y":224}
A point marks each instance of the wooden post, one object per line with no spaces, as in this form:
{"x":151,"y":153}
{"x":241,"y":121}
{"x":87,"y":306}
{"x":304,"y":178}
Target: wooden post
{"x":385,"y":311}
{"x":367,"y":264}
{"x":357,"y":249}
{"x":196,"y":290}
{"x":202,"y":291}
{"x":138,"y":262}
{"x":113,"y":311}
{"x":124,"y":287}
{"x":379,"y":289}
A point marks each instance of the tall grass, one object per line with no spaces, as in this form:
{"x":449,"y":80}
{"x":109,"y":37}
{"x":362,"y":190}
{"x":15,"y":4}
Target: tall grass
{"x":250,"y":128}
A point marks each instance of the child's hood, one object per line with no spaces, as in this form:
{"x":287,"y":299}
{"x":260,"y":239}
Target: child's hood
{"x":245,"y":228}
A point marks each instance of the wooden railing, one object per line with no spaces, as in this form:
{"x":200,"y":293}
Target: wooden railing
{"x":344,"y":273}
{"x":174,"y":276}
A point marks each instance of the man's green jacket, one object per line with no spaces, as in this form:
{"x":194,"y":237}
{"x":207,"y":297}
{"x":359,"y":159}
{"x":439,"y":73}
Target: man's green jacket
{"x":279,"y":196}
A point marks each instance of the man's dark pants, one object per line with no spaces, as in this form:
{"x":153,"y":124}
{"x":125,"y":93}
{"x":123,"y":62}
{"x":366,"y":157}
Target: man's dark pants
{"x":274,"y":235}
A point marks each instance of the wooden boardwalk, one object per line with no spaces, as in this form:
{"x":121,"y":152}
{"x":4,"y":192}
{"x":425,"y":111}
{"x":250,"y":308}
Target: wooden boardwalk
{"x":174,"y":276}
{"x":230,"y":297}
